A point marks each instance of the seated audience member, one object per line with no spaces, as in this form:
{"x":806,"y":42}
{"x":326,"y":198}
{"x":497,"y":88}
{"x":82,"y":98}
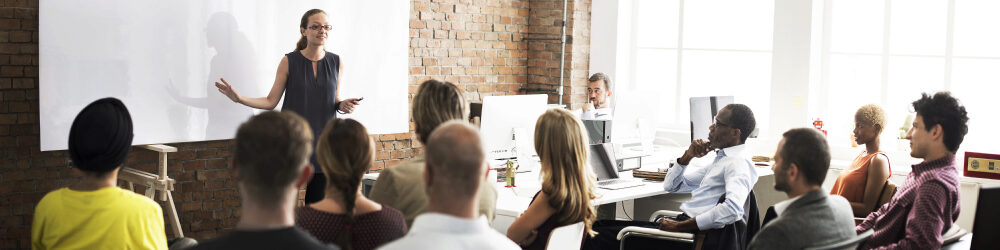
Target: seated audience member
{"x":809,"y":217}
{"x":567,"y":184}
{"x":402,"y":186}
{"x":599,"y":90}
{"x":94,"y":213}
{"x":271,"y":159}
{"x":927,"y":204}
{"x":456,"y":167}
{"x":718,"y":191}
{"x":345,"y":217}
{"x":862,"y":183}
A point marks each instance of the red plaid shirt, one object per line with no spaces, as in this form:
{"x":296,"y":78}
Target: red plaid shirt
{"x":923,"y":209}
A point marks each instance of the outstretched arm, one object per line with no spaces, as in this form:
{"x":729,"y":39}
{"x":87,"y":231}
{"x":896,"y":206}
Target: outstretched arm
{"x":268,"y":102}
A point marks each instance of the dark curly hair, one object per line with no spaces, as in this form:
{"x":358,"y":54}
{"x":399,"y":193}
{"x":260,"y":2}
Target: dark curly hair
{"x":941,"y":108}
{"x":742,"y":118}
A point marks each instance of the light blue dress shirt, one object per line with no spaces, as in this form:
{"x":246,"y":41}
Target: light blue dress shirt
{"x":731,"y":173}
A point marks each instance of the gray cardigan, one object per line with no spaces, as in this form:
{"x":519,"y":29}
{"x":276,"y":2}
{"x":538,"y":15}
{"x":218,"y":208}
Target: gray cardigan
{"x":814,"y":219}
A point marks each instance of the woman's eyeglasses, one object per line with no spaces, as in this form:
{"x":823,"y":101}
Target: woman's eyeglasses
{"x":324,"y":27}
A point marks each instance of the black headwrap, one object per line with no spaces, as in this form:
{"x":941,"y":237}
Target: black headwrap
{"x":101,"y":136}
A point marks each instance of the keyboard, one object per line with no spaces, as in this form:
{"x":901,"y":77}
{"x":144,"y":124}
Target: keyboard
{"x":619,"y":183}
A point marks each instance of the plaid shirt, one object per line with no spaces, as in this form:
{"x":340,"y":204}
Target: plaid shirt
{"x":923,"y":209}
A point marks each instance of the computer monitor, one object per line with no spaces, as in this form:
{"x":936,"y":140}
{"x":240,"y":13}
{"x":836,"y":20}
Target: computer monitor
{"x":703,"y":111}
{"x":986,"y":225}
{"x":602,"y":160}
{"x":508,"y":124}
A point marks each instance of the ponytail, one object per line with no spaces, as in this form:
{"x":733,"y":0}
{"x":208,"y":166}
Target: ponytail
{"x":301,"y":45}
{"x":344,"y":151}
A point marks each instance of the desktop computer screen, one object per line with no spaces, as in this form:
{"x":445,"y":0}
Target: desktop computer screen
{"x":703,"y":111}
{"x":508,"y":124}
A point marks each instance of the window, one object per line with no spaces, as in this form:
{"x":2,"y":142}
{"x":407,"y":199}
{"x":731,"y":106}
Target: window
{"x":889,"y":52}
{"x":684,"y":49}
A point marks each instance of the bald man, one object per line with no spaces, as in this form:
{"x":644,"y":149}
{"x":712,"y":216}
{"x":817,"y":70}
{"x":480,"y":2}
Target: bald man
{"x":456,"y":167}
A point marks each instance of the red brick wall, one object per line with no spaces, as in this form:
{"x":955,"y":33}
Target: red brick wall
{"x":477,"y":44}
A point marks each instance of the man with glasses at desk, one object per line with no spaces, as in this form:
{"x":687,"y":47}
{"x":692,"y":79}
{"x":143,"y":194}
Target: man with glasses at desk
{"x":718,"y":191}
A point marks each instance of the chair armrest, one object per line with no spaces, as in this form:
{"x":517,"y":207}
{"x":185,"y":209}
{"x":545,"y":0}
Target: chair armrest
{"x":666,"y":213}
{"x":653,"y":232}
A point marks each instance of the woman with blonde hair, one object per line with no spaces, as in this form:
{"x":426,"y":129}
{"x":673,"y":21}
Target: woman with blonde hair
{"x":861,"y":183}
{"x":345,"y":217}
{"x":567,"y":183}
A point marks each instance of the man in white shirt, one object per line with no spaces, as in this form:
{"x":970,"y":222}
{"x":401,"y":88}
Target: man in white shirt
{"x":718,"y":191}
{"x":598,"y":98}
{"x":456,"y":167}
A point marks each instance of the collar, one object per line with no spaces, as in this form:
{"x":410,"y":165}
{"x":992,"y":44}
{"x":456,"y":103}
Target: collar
{"x":444,"y":223}
{"x":782,"y":206}
{"x":732,"y":151}
{"x":935,"y":164}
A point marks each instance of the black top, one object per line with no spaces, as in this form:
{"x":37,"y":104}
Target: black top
{"x":369,"y":231}
{"x":285,"y":238}
{"x":544,"y":230}
{"x":314,"y":97}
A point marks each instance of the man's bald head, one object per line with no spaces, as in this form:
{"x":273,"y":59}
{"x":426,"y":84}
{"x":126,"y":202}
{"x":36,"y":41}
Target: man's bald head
{"x":455,"y":161}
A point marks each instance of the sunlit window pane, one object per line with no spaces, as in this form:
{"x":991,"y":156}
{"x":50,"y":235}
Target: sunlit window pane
{"x":974,"y":83}
{"x":728,"y":24}
{"x":854,"y":80}
{"x":657,"y":23}
{"x":976,"y":28}
{"x":908,"y":78}
{"x":744,"y":75}
{"x":655,"y":83}
{"x":856,"y":26}
{"x":918,"y":27}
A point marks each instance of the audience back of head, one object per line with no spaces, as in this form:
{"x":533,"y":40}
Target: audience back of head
{"x":100,"y":137}
{"x":344,"y":151}
{"x":436,"y":102}
{"x":455,"y":162}
{"x":272,"y":149}
{"x":561,"y":145}
{"x":808,"y":149}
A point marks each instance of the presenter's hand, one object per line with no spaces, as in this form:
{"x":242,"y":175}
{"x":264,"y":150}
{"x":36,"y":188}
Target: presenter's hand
{"x":698,"y":148}
{"x":227,"y":90}
{"x":348,"y":105}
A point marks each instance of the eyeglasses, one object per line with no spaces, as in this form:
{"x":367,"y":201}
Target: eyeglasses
{"x":717,"y":123}
{"x":324,"y":27}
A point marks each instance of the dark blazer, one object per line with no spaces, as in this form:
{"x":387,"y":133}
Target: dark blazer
{"x":814,"y":219}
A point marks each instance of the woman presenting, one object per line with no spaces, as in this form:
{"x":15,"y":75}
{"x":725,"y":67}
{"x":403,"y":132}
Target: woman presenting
{"x":309,"y":77}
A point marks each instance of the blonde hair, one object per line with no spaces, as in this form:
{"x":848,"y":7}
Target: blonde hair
{"x":566,"y":177}
{"x":871,"y":114}
{"x":344,"y":151}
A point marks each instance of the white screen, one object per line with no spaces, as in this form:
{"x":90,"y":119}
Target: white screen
{"x":161,"y":59}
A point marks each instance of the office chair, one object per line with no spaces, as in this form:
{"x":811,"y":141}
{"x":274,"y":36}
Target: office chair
{"x":750,"y":224}
{"x":566,"y":237}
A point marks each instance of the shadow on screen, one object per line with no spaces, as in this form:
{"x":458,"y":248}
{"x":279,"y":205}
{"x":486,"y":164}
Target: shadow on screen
{"x":235,"y":61}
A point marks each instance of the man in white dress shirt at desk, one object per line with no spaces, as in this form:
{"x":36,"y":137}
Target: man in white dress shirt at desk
{"x":456,"y":167}
{"x":598,"y":98}
{"x":731,"y":175}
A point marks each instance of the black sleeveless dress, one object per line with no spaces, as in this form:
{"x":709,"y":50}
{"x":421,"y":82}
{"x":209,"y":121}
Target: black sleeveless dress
{"x":312,"y":97}
{"x":545,"y":230}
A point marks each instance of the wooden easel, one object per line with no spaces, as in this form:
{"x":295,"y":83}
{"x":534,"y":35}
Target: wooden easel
{"x":154,"y":183}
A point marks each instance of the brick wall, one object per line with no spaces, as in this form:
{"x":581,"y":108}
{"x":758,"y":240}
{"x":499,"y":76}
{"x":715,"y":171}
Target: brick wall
{"x":479,"y":45}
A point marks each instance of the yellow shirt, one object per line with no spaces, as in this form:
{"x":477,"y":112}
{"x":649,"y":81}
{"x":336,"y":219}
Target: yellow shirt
{"x":109,"y":218}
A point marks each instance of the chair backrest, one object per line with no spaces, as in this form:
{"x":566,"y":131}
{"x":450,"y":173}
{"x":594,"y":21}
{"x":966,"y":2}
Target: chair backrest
{"x":566,"y":237}
{"x":888,"y":190}
{"x":851,"y":243}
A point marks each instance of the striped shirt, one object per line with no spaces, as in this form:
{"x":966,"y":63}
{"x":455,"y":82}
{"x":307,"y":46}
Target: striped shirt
{"x":920,"y":212}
